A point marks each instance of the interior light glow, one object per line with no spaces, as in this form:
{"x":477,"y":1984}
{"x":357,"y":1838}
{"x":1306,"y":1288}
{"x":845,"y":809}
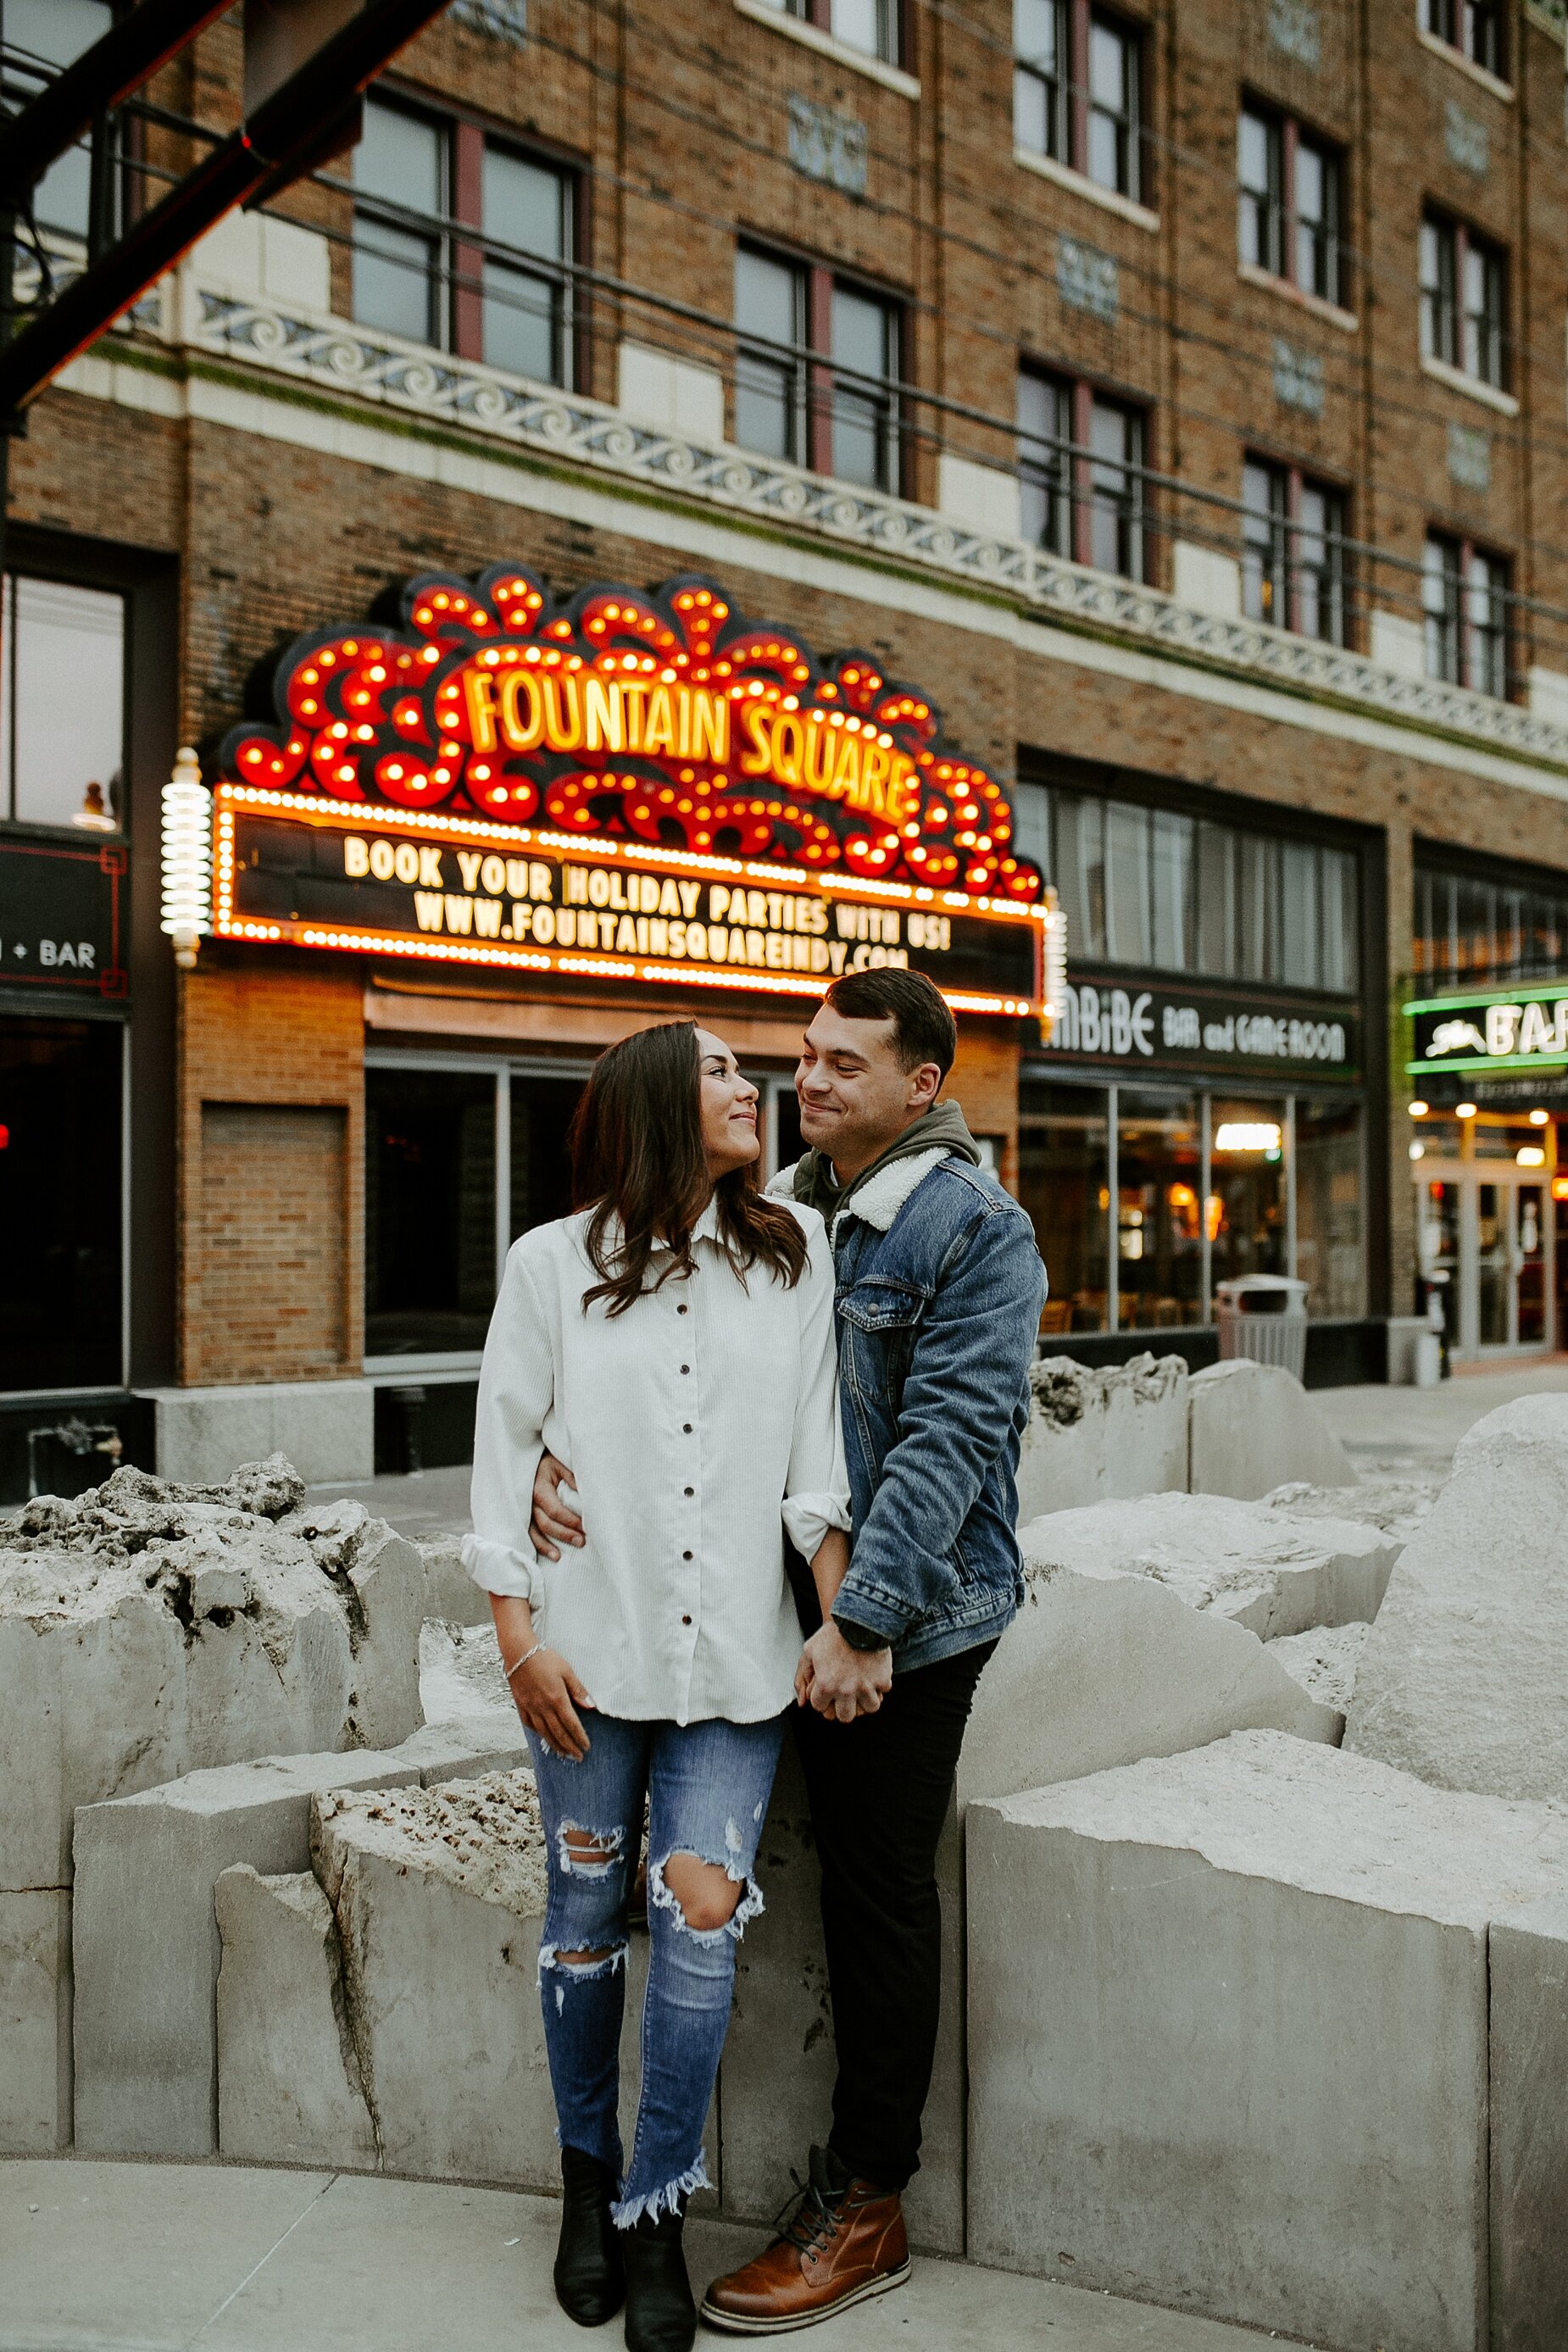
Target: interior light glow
{"x":1247,"y":1135}
{"x":1463,"y":1110}
{"x":1560,"y":1188}
{"x":1419,"y":1109}
{"x":1530,"y":1155}
{"x":1540,"y":1118}
{"x":1418,"y":1151}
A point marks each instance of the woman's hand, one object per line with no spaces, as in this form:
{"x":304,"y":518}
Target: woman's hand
{"x":547,"y":1695}
{"x":545,"y":1691}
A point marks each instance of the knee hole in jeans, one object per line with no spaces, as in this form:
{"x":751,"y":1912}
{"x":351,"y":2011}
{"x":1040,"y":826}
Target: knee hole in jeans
{"x":585,"y":1853}
{"x":703,"y":1894}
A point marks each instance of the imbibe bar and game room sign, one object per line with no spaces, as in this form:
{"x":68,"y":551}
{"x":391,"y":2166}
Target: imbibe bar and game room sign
{"x":631,"y":785}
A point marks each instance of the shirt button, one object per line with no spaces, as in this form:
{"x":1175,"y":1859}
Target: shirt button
{"x":686,"y":1621}
{"x":691,"y":1490}
{"x":686,"y":1428}
{"x":686,"y":1368}
{"x":686,"y":1555}
{"x":680,"y":1310}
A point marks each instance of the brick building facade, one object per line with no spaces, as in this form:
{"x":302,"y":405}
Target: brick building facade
{"x":1176,"y":397}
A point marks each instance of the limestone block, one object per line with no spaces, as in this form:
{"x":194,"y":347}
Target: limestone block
{"x":1260,"y":1566}
{"x":1397,"y":1506}
{"x":450,"y":1593}
{"x":146,"y":1944}
{"x":326,"y":1429}
{"x":1324,"y":1661}
{"x":1462,"y":1681}
{"x":1105,"y":1435}
{"x":35,"y":2021}
{"x":1529,"y":2138}
{"x":463,"y":1748}
{"x":461,"y":1677}
{"x":778,"y":2059}
{"x":439,"y":1897}
{"x":1251,"y":1427}
{"x":1105,"y":1664}
{"x":149,"y":1630}
{"x":288,"y":2075}
{"x":1228,"y":2038}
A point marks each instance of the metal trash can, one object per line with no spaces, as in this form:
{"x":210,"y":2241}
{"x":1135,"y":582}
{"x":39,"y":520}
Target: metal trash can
{"x":1264,"y":1315}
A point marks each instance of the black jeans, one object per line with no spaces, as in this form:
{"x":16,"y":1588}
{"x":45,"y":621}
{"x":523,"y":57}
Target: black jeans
{"x":880,"y":1789}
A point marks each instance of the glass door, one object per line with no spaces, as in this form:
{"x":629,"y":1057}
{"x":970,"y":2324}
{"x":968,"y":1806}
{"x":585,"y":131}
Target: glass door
{"x":1483,"y":1238}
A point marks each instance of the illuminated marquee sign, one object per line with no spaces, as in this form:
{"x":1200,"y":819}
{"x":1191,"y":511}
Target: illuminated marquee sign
{"x":1500,"y":1029}
{"x":631,"y":784}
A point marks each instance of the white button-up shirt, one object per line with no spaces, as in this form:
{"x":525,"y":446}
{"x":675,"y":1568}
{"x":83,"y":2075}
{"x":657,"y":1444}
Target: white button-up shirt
{"x":698,"y":1426}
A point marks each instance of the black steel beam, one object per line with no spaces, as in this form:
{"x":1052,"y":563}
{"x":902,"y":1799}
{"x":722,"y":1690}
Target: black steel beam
{"x":130,"y":53}
{"x":279,"y":139}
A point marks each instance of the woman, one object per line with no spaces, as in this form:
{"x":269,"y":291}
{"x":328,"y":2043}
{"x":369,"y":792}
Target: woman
{"x":673,"y":1341}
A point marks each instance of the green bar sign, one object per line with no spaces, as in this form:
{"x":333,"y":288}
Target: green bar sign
{"x":1494,"y":1029}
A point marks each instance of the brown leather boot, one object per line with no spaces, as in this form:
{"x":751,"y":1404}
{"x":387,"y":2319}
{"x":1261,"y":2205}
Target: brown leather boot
{"x":844,"y":2243}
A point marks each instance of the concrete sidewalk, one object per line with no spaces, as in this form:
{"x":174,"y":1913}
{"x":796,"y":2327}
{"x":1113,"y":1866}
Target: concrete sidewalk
{"x":104,"y":2257}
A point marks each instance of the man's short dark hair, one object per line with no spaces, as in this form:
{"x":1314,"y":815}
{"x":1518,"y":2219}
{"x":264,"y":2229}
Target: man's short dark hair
{"x":923,"y":1028}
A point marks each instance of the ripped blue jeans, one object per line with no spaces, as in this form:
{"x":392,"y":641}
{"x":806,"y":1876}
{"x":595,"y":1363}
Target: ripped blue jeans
{"x":707,"y":1786}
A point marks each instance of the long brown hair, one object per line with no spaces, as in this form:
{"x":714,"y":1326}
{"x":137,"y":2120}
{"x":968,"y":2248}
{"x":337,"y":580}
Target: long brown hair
{"x":637,"y":1162}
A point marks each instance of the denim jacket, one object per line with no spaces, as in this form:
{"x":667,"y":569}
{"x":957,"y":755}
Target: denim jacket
{"x":940,"y":1287}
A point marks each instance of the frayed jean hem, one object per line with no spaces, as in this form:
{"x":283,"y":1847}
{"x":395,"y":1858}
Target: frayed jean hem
{"x":671,"y":2198}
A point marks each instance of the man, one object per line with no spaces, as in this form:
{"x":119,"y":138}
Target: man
{"x":940,"y":1290}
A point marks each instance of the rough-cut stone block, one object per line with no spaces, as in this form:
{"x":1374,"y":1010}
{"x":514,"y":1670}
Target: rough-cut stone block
{"x":1100,"y":1667}
{"x":1529,"y":1973}
{"x":778,"y":2059}
{"x":1105,"y":1433}
{"x":1324,"y":1661}
{"x":1251,"y":1427}
{"x":35,"y":2021}
{"x":1261,"y":1566}
{"x":450,"y":1593}
{"x":439,"y":1896}
{"x":1228,"y":2039}
{"x":146,"y":1944}
{"x":1463,"y":1679}
{"x":462,"y":1748}
{"x":1397,"y":1506}
{"x":461,"y":1677}
{"x":289,"y":2079}
{"x":148,"y":1631}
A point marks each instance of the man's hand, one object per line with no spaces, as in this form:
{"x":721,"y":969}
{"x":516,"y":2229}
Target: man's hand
{"x":841,"y":1681}
{"x":556,"y":1520}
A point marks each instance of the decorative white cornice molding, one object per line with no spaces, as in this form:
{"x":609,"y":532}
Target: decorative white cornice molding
{"x":345,"y":362}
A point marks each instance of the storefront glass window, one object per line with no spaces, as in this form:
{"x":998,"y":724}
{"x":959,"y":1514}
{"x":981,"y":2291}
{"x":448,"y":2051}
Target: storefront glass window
{"x":1156,"y":890}
{"x":60,"y":1127}
{"x":1159,"y":1187}
{"x":1330,"y":1256}
{"x":1064,"y":1183}
{"x":430,"y":1218}
{"x":62,"y":703}
{"x":1473,"y":930}
{"x":1247,"y":1202}
{"x":541,"y":1173}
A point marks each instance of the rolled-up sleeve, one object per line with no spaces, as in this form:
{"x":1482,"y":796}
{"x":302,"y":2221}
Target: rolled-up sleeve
{"x":816,"y":1491}
{"x":517,"y":1387}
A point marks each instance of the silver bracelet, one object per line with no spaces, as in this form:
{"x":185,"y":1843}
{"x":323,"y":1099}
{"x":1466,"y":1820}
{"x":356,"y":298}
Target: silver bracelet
{"x":518,"y":1666}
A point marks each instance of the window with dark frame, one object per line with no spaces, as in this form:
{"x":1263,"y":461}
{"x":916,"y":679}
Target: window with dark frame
{"x":53,"y":35}
{"x":1293,"y":550}
{"x":1465,"y":601}
{"x":463,"y":242}
{"x":871,"y":25}
{"x":1289,"y":202}
{"x":1077,"y":91}
{"x":62,"y":704}
{"x":1081,"y":473}
{"x":1474,"y":27}
{"x":816,"y":369}
{"x":1464,"y":319}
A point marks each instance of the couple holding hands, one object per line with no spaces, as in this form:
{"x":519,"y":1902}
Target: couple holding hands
{"x":678,"y":1378}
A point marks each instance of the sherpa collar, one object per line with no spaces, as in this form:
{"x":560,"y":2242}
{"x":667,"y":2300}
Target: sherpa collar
{"x":880,"y":1198}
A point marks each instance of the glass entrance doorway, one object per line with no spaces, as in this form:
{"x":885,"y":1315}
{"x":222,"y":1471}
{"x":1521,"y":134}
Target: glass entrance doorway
{"x":1485,"y":1240}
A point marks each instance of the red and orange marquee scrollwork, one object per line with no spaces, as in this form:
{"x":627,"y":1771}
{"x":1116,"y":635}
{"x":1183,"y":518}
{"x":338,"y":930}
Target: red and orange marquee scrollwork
{"x":662,"y":719}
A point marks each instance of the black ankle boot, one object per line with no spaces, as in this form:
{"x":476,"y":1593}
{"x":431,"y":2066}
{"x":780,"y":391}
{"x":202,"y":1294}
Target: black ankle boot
{"x":590,"y":2284}
{"x":660,"y":2314}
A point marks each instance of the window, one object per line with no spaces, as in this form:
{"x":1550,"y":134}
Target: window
{"x":1081,"y":473}
{"x":527,"y":210}
{"x":1293,"y":551}
{"x":51,"y":34}
{"x":401,"y":269}
{"x":62,"y":704}
{"x":463,"y":243}
{"x":816,"y":370}
{"x":1159,"y":890}
{"x":1474,"y":932}
{"x":1464,"y":599}
{"x":1288,"y":204}
{"x":1077,"y":91}
{"x":1474,"y":27}
{"x":1462,"y":300}
{"x":871,"y":25}
{"x":60,"y":1112}
{"x":1064,"y":1184}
